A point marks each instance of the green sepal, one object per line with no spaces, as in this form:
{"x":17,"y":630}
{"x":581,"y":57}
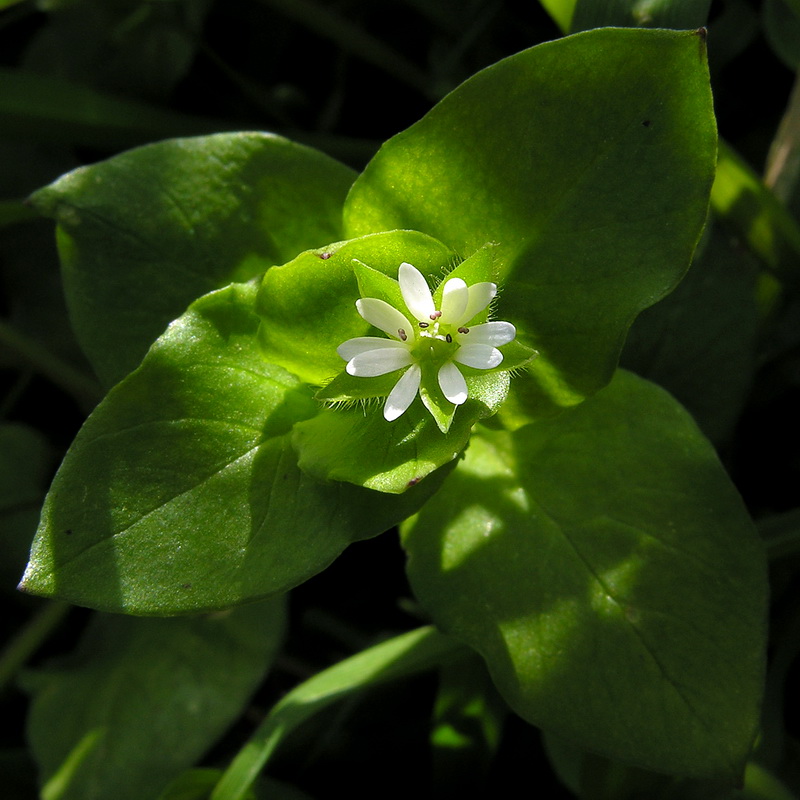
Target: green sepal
{"x":346,"y":388}
{"x":482,"y":266}
{"x":377,"y":284}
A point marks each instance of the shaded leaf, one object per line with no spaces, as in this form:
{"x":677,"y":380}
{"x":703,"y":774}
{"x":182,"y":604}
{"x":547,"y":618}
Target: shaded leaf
{"x":143,"y":234}
{"x":399,"y":657}
{"x":604,"y":566}
{"x":699,"y":343}
{"x":150,"y":696}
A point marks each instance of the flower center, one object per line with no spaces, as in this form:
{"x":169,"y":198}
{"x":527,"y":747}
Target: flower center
{"x":434,"y":344}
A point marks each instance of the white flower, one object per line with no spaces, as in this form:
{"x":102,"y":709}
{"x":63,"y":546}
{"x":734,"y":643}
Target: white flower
{"x":438,"y":337}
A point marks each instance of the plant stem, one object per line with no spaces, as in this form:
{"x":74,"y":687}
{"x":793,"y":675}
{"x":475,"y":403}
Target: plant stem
{"x":41,"y":360}
{"x":29,"y":639}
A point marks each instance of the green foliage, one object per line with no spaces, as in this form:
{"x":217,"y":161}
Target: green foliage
{"x":146,"y":695}
{"x":188,"y":446}
{"x":518,"y":165}
{"x":144,"y":234}
{"x":620,"y":568}
{"x":281,"y":385}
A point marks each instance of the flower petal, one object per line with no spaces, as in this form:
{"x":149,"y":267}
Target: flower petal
{"x":403,"y":393}
{"x":363,"y":344}
{"x":494,"y":333}
{"x":378,"y":362}
{"x":455,"y":297}
{"x":415,"y":291}
{"x":452,"y":383}
{"x":380,"y":314}
{"x":480,"y":295}
{"x":479,"y":356}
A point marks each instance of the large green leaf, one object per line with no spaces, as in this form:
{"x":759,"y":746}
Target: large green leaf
{"x":143,"y":234}
{"x":589,"y":161}
{"x":605,"y":567}
{"x":140,"y":700}
{"x":182,"y":491}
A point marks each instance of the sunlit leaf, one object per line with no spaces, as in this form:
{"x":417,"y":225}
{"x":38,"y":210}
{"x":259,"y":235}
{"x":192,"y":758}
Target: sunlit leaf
{"x":588,"y":160}
{"x":182,"y":490}
{"x":604,"y":566}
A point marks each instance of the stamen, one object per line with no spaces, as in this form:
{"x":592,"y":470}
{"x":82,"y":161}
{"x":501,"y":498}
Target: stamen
{"x":463,"y":330}
{"x":424,"y":324}
{"x":402,"y":334}
{"x":436,"y":315}
{"x":448,"y":339}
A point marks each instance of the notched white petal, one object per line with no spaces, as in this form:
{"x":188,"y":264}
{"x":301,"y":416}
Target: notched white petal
{"x":415,"y":291}
{"x":380,"y":314}
{"x":479,"y":356}
{"x":372,"y":363}
{"x":455,"y":297}
{"x":452,"y":383}
{"x":363,"y":344}
{"x":480,"y":295}
{"x":494,"y":333}
{"x":403,"y":394}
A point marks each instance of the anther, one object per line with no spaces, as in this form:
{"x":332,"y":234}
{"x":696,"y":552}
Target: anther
{"x":463,"y":330}
{"x":448,"y":338}
{"x":424,"y":324}
{"x":402,"y":334}
{"x":436,"y":315}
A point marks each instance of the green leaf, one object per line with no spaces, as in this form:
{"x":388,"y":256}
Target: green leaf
{"x":604,"y":566}
{"x":361,"y":447}
{"x":687,"y":14}
{"x":588,"y":160}
{"x":182,"y":491}
{"x":143,"y":234}
{"x":308,"y":305}
{"x":561,"y":11}
{"x":150,"y":696}
{"x":402,"y":656}
{"x":700,"y":342}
